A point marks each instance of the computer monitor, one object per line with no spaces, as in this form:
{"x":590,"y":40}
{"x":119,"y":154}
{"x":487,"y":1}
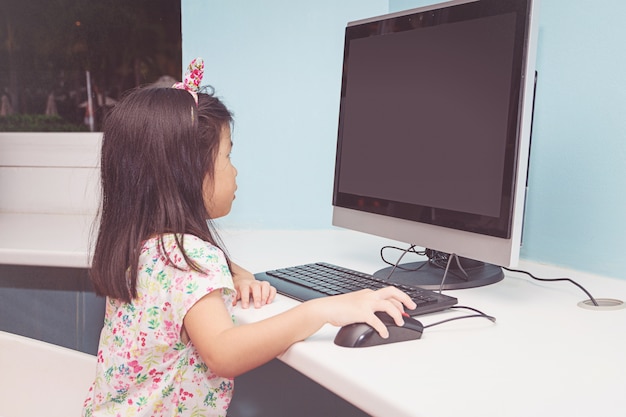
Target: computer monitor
{"x":434,"y":135}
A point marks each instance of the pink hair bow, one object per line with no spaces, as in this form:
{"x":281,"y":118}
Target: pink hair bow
{"x":192,"y":79}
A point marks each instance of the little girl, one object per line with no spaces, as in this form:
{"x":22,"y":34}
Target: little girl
{"x":170,"y":345}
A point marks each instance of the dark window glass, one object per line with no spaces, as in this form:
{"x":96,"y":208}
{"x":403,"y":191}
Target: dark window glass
{"x":63,"y":63}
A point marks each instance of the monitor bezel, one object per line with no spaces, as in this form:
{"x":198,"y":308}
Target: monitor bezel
{"x":489,"y":239}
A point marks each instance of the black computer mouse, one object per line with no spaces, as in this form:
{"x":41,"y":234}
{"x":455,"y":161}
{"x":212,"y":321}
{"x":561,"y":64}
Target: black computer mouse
{"x":363,"y":335}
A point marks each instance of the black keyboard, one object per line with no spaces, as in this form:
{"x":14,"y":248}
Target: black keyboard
{"x":305,"y":282}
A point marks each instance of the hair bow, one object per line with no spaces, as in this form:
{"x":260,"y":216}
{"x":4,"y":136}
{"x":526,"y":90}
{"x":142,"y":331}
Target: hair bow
{"x":192,"y":79}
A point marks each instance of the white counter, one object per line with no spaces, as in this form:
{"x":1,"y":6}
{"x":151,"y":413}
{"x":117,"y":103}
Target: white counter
{"x":45,"y":239}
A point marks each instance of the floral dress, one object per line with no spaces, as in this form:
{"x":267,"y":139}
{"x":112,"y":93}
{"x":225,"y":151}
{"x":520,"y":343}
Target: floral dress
{"x":143,"y":366}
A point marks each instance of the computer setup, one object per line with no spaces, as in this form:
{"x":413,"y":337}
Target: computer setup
{"x":433,"y":146}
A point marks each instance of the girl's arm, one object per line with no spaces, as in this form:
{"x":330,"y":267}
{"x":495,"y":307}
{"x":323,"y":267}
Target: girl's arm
{"x":230,"y":350}
{"x":248,"y":287}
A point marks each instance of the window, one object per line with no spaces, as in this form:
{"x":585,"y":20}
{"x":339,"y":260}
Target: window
{"x":63,"y":63}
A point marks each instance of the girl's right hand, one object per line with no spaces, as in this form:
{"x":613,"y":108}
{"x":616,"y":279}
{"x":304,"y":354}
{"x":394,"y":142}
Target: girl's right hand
{"x":229,"y":349}
{"x":360,"y":306}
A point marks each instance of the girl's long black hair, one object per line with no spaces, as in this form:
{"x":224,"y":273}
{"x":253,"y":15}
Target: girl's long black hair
{"x":157,"y":148}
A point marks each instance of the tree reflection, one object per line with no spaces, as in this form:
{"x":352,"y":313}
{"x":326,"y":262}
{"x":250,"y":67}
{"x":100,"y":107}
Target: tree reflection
{"x":47,"y":47}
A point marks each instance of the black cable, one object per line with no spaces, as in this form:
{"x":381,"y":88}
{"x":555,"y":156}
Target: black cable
{"x":435,"y":258}
{"x":397,"y":264}
{"x":410,"y":249}
{"x":479,"y":314}
{"x":593,"y":300}
{"x":457,"y":307}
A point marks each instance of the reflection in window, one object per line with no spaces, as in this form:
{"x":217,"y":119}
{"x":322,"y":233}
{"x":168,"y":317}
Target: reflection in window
{"x":64,"y":62}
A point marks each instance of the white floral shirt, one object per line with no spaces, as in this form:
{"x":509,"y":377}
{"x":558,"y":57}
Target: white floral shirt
{"x":143,"y":366}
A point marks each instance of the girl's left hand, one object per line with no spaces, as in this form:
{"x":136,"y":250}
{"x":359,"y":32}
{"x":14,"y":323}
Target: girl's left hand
{"x":249,"y":288}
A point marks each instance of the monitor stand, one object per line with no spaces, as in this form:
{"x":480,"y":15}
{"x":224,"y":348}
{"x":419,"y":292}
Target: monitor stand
{"x":428,"y":274}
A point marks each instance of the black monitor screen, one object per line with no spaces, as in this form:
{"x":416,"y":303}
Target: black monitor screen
{"x":428,"y":121}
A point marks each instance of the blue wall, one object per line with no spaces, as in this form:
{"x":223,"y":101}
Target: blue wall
{"x":277,"y":64}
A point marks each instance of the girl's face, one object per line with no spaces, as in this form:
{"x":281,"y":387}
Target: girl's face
{"x":219,"y":195}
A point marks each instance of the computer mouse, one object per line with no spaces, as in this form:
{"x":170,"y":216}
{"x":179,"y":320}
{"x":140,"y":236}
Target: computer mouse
{"x":363,"y":335}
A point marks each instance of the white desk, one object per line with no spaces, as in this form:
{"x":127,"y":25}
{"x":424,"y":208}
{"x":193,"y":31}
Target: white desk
{"x":545,"y":356}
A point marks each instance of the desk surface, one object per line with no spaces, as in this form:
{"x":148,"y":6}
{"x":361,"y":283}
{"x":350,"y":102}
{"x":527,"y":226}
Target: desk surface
{"x":545,"y":356}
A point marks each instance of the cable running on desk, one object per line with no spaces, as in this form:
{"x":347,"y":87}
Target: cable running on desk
{"x":305,"y":282}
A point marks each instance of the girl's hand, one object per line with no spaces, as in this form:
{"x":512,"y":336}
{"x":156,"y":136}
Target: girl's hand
{"x":360,"y":306}
{"x":248,"y":288}
{"x":230,"y":350}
